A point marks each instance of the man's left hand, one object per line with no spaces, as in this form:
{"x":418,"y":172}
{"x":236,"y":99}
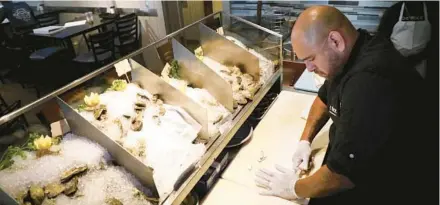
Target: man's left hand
{"x":280,"y":183}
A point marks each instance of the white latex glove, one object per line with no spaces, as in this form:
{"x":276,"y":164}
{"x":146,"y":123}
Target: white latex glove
{"x":301,"y":156}
{"x":280,"y":183}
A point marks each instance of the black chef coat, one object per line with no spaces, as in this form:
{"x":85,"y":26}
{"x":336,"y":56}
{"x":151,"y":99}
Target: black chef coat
{"x":373,"y":103}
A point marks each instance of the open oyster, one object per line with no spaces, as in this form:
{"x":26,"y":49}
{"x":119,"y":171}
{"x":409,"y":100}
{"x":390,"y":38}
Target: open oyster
{"x":37,"y":194}
{"x":100,"y":113}
{"x":113,"y":201}
{"x":71,"y":187}
{"x":52,"y":190}
{"x":69,"y":174}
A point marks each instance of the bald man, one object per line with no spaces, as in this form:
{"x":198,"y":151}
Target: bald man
{"x":373,"y":99}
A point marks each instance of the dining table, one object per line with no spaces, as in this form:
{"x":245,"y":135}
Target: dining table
{"x":66,"y":34}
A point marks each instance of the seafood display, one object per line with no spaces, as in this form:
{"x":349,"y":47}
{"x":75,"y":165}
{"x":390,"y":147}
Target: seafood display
{"x":51,"y":171}
{"x":243,"y":85}
{"x":267,"y":67}
{"x":157,"y":148}
{"x":158,"y":134}
{"x":216,"y":111}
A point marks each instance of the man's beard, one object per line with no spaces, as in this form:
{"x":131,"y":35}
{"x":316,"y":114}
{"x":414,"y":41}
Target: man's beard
{"x":334,"y":63}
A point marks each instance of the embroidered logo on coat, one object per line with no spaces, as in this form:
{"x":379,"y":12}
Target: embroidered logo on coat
{"x":333,"y":111}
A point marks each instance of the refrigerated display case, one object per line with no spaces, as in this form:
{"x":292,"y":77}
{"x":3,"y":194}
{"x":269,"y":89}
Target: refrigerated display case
{"x":164,"y":135}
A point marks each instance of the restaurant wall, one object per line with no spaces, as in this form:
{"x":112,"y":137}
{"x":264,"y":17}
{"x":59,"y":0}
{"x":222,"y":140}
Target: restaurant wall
{"x":363,"y":14}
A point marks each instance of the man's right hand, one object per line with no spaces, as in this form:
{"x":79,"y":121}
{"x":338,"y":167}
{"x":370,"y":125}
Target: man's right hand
{"x":301,"y":156}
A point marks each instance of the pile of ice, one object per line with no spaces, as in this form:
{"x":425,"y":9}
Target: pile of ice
{"x":98,"y":186}
{"x":75,"y":151}
{"x":164,"y":143}
{"x":95,"y":187}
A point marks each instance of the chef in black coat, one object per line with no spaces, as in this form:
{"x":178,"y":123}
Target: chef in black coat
{"x":374,"y":99}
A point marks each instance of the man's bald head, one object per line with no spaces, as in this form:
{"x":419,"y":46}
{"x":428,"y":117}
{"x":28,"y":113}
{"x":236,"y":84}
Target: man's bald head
{"x":316,"y":22}
{"x":323,"y":37}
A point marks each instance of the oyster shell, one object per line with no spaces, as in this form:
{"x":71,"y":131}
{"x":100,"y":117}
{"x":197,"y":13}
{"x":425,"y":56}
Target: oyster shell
{"x":140,"y":195}
{"x":52,"y":190}
{"x":162,"y":111}
{"x":136,"y":124}
{"x":241,"y":100}
{"x":69,"y":174}
{"x":156,"y":119}
{"x":37,"y":194}
{"x":142,"y":98}
{"x":48,"y":202}
{"x":238,"y":79}
{"x":57,"y":139}
{"x":155,"y":98}
{"x":100,"y":113}
{"x":22,"y":196}
{"x":113,"y":201}
{"x":71,"y":187}
{"x":140,"y":104}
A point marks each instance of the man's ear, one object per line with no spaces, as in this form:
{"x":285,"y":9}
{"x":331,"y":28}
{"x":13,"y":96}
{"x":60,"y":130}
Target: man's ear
{"x":336,"y":41}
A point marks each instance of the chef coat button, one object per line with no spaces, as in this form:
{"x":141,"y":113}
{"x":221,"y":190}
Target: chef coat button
{"x":351,"y":156}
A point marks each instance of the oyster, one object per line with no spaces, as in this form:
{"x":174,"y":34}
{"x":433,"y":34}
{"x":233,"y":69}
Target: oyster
{"x":136,"y":124}
{"x":235,"y":70}
{"x":22,"y":196}
{"x":100,"y":113}
{"x":37,"y":194}
{"x":71,"y":187}
{"x":156,"y":119}
{"x":120,"y":126}
{"x":238,"y":79}
{"x":162,"y":111}
{"x":247,"y":94}
{"x":241,"y":100}
{"x":69,"y":174}
{"x":113,"y":201}
{"x":52,"y":190}
{"x":227,"y":72}
{"x":140,"y":104}
{"x":155,"y":98}
{"x":48,"y":202}
{"x":141,"y":97}
{"x":57,"y":139}
{"x":140,"y":195}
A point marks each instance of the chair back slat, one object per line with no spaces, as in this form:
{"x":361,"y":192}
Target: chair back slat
{"x":127,"y":27}
{"x":108,"y":18}
{"x":102,"y":43}
{"x":48,"y":19}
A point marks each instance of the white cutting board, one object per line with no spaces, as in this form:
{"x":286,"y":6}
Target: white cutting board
{"x":276,"y":135}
